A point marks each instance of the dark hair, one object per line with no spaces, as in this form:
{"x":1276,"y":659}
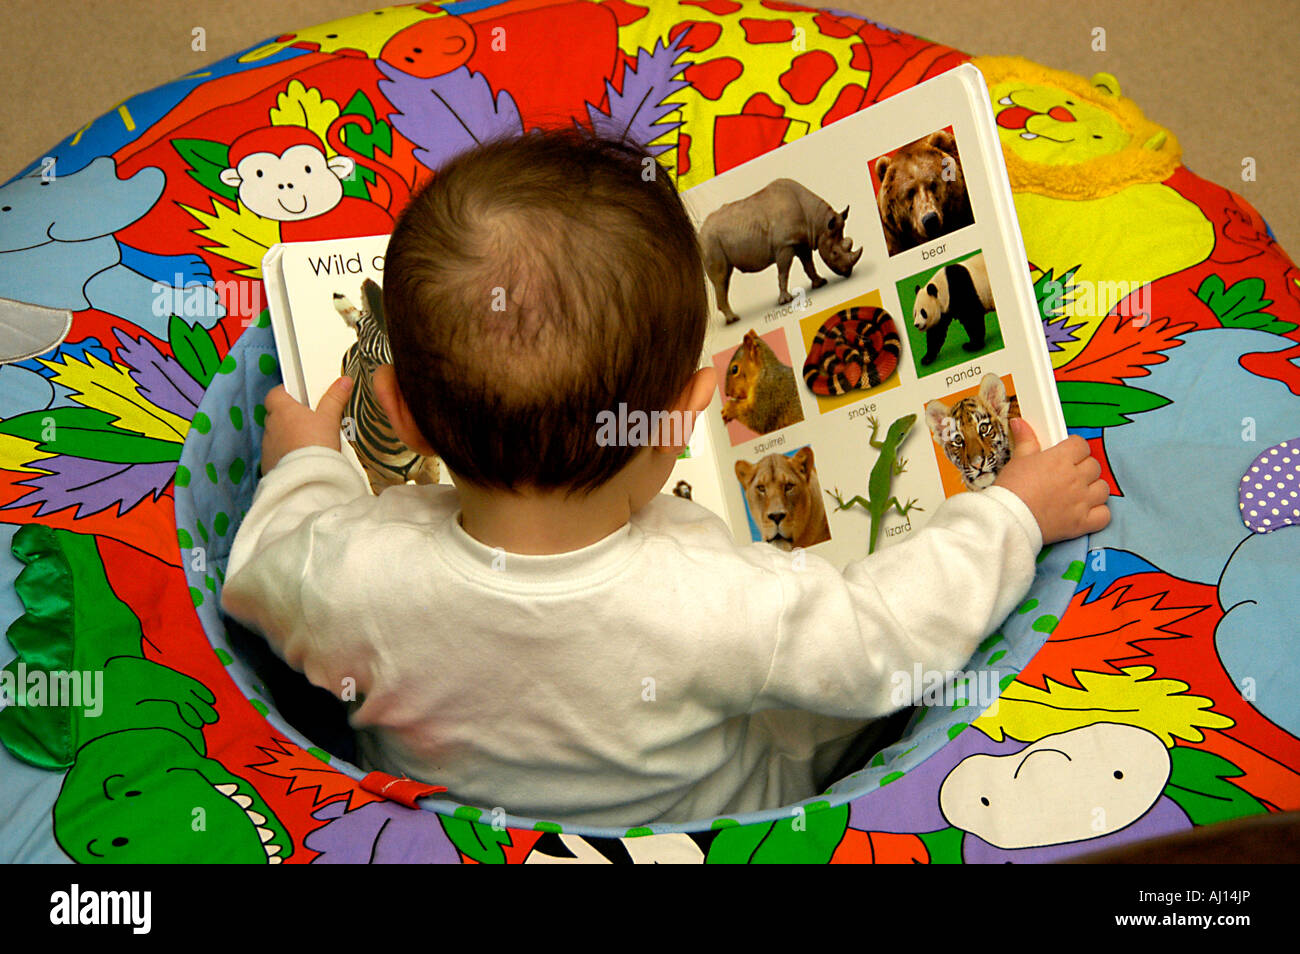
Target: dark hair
{"x":535,"y":282}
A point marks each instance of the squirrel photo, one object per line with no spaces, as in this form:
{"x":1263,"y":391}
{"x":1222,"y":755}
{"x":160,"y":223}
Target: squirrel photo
{"x":761,"y":392}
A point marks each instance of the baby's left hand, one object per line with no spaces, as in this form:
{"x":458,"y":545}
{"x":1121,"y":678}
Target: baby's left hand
{"x":290,"y":425}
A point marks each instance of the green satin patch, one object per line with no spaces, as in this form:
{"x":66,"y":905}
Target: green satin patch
{"x":74,"y":623}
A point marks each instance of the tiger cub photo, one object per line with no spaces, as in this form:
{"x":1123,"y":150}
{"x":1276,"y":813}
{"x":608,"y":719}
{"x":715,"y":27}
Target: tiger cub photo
{"x":975,"y":433}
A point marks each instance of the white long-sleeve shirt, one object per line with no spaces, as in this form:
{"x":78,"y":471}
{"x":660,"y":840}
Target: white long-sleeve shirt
{"x":665,"y":673}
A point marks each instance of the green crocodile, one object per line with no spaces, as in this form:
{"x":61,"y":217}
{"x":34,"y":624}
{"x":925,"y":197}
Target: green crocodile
{"x":139,"y":787}
{"x":885,"y":469}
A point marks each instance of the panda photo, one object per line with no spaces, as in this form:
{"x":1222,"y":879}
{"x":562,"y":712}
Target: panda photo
{"x":960,"y":290}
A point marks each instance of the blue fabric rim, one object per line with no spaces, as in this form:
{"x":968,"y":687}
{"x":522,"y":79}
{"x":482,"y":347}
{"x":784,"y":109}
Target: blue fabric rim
{"x":251,"y":371}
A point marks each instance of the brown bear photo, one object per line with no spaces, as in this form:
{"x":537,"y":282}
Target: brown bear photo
{"x":921,"y":192}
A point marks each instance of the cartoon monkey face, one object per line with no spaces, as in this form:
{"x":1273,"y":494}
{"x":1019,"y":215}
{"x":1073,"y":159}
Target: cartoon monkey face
{"x":298,"y":184}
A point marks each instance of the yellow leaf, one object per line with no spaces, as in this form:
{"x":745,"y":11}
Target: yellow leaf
{"x":109,"y":388}
{"x":1161,"y":706}
{"x":17,"y":453}
{"x":300,"y":106}
{"x":240,"y":235}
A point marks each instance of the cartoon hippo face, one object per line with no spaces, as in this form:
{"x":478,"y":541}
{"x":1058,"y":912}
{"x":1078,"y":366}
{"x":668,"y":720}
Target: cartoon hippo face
{"x":23,"y":223}
{"x":58,"y":251}
{"x":48,"y":206}
{"x":1075,"y":785}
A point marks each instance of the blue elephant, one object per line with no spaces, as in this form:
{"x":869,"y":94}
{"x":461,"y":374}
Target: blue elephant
{"x":57,"y":250}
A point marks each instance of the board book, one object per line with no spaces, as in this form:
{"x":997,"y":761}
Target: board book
{"x":918,"y":301}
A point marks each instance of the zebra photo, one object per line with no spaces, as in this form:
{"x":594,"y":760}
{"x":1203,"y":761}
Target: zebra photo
{"x":387,"y":461}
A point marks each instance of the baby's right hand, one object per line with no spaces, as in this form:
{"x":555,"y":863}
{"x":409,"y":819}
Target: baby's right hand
{"x":1061,"y":486}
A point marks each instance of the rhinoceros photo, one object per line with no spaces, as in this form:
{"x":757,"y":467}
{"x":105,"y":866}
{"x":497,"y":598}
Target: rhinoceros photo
{"x":778,"y":222}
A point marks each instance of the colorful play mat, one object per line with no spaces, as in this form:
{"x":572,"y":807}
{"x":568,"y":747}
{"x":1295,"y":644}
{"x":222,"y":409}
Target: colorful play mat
{"x":1147,"y":684}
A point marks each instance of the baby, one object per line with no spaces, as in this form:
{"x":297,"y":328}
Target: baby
{"x":553,"y":635}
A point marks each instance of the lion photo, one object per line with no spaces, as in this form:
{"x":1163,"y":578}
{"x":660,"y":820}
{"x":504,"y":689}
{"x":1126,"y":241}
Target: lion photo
{"x":784,"y":499}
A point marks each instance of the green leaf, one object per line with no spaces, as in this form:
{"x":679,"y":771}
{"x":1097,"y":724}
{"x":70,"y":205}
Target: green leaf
{"x":1095,"y":404}
{"x":206,"y":160}
{"x":1241,"y":305}
{"x":88,"y":433}
{"x":1198,"y":782}
{"x":1228,"y":303}
{"x":1263,"y":321}
{"x":194,"y":349}
{"x":1053,"y":294}
{"x":736,"y":846}
{"x":380,"y":138}
{"x":480,"y":842}
{"x":944,"y":845}
{"x":809,"y":837}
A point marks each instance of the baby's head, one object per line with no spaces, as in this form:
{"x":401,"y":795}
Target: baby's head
{"x":534,"y":283}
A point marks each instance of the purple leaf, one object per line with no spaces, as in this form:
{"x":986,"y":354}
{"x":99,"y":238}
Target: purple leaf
{"x":447,"y":114}
{"x":92,"y":485}
{"x":636,"y":112}
{"x":1058,"y":333}
{"x":160,"y":378}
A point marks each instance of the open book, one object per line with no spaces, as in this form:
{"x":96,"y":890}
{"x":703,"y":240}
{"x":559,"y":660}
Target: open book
{"x":873,"y":324}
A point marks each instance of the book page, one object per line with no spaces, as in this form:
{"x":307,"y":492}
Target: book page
{"x":907,"y":292}
{"x":695,"y":475}
{"x":311,"y":273}
{"x":311,"y":334}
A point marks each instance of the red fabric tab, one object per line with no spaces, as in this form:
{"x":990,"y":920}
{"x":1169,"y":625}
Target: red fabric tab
{"x":401,"y":790}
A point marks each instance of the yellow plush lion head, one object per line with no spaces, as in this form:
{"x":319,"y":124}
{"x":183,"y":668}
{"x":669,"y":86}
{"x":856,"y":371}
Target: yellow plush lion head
{"x":1068,"y":137}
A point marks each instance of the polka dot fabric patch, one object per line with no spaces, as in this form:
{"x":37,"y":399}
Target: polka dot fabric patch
{"x":1269,"y":494}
